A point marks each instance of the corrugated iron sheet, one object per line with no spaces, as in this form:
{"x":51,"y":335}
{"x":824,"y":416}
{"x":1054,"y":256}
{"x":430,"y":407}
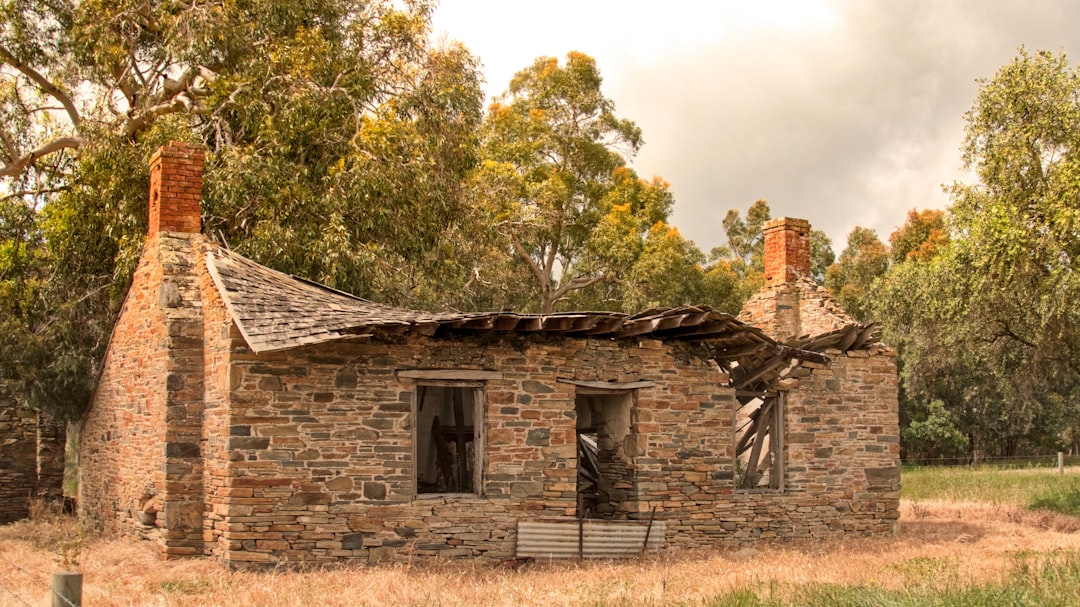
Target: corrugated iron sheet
{"x":558,"y":538}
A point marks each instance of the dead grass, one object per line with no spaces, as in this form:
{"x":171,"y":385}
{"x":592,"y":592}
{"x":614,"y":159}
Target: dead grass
{"x":954,"y":543}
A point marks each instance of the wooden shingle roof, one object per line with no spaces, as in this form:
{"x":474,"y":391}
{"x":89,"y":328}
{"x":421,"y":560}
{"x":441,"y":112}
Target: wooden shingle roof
{"x":276,"y":311}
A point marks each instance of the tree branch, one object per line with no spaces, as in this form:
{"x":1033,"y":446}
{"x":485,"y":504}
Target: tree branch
{"x":44,"y":84}
{"x":9,"y":146}
{"x":578,"y":283}
{"x":545,"y":280}
{"x":14,"y":168}
{"x":152,"y":113}
{"x":36,"y":192}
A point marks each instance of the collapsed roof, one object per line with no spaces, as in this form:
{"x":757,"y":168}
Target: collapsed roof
{"x":275,"y":311}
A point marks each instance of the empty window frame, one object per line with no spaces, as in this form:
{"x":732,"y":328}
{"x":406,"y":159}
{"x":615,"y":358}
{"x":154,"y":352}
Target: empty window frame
{"x":759,"y":441}
{"x":448,"y":433}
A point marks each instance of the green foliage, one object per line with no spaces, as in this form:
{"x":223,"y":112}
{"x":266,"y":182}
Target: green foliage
{"x":921,"y":237}
{"x":1065,"y":500}
{"x":586,"y":231}
{"x":987,"y":483}
{"x":851,"y":278}
{"x":934,"y":436}
{"x":984,"y":312}
{"x":745,"y":241}
{"x":821,"y":255}
{"x":300,"y":106}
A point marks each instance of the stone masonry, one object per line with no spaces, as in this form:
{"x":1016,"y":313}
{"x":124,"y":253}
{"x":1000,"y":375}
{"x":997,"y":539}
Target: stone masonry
{"x":308,"y":454}
{"x":31,"y":460}
{"x":18,"y":463}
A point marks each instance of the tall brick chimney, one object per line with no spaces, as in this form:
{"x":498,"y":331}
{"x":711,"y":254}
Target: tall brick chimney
{"x":176,"y":188}
{"x":787,"y":250}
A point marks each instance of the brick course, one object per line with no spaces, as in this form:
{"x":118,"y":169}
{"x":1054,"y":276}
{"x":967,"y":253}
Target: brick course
{"x":176,"y":189}
{"x":787,"y":250}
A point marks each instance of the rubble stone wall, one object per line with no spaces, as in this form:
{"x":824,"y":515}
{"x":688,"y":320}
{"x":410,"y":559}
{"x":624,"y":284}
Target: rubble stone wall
{"x":18,"y":460}
{"x":320,"y":444}
{"x":843,"y":438}
{"x":140,"y":461}
{"x":793,"y":310}
{"x":320,"y":450}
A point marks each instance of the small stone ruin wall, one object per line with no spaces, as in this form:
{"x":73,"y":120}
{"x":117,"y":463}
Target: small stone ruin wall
{"x":18,"y":460}
{"x":31,"y":460}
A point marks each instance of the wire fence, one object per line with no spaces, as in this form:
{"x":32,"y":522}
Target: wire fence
{"x":1046,"y":460}
{"x":35,"y":578}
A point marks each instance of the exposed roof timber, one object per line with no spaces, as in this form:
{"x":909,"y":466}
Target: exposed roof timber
{"x":452,"y":374}
{"x":753,"y":375}
{"x":607,"y":386}
{"x":275,"y":311}
{"x":805,"y":355}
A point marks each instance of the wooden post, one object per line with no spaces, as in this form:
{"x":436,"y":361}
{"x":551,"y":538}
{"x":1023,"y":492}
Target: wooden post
{"x":459,"y":433}
{"x":1061,"y":463}
{"x":67,"y":589}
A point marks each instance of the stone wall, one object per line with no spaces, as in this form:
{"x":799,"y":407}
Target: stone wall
{"x":321,"y":444}
{"x":18,"y":460}
{"x":793,"y":310}
{"x":320,"y":450}
{"x":842,"y":462}
{"x":141,"y":458}
{"x":51,"y":448}
{"x":140,"y":464}
{"x":219,"y":337}
{"x":843,"y":440}
{"x":308,"y":455}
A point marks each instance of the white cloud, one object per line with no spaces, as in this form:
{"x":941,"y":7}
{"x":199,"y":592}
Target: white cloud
{"x":844,"y":113}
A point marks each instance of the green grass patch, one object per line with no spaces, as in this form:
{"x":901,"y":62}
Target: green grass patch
{"x":1035,"y":580}
{"x":1065,"y":500}
{"x":1019,"y":487}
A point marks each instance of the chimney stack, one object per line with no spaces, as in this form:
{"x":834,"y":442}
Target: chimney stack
{"x":787,"y":250}
{"x":176,"y":188}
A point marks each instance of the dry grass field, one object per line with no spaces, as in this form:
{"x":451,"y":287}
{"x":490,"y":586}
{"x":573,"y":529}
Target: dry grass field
{"x":942,"y":547}
{"x":939,"y":543}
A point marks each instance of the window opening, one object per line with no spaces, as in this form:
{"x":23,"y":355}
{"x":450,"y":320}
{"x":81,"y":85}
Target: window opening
{"x":605,"y":445}
{"x":759,"y":447}
{"x":448,"y":450}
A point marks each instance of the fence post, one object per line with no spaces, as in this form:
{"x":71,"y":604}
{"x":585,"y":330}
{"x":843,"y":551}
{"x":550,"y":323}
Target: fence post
{"x":1061,"y":463}
{"x":67,"y":589}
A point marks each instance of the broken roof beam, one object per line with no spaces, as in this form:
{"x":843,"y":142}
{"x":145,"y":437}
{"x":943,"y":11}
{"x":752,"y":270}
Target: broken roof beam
{"x":507,"y":322}
{"x":803,"y":355}
{"x":561,"y":323}
{"x":642,"y":326}
{"x":746,"y":350}
{"x":868,"y":332}
{"x":755,"y":375}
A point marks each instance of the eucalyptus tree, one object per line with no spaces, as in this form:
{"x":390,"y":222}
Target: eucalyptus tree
{"x":337,"y":136}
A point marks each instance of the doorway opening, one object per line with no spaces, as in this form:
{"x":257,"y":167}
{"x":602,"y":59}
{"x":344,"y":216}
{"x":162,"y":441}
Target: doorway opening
{"x":606,"y":448}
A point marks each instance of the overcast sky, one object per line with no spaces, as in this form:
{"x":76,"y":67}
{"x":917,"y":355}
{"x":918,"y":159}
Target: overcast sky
{"x":844,"y":113}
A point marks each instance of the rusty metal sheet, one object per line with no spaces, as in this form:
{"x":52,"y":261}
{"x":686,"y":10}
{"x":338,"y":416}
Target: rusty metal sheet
{"x":558,"y":538}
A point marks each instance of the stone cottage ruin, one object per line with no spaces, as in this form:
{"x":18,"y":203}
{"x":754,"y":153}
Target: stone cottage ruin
{"x":261,"y":419}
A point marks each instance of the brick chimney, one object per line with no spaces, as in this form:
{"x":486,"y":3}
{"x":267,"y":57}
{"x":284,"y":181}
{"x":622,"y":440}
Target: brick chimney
{"x":787,"y":250}
{"x":176,"y":188}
